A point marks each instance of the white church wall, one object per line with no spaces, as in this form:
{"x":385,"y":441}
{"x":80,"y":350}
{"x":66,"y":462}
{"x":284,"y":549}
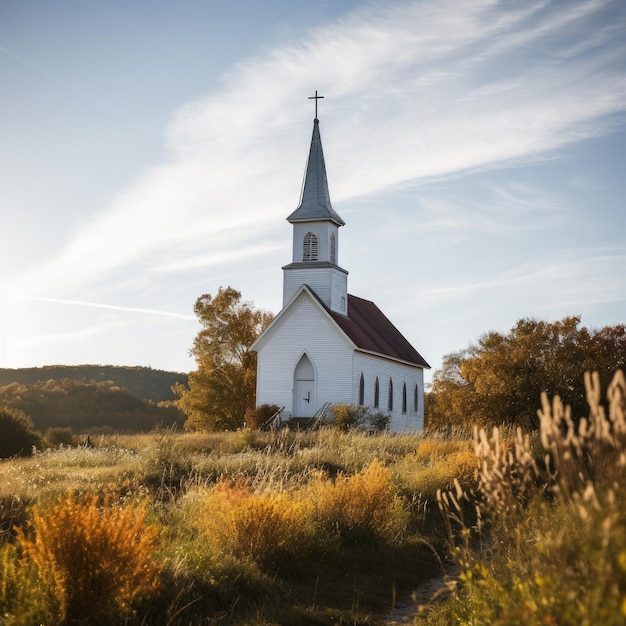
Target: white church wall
{"x":304,"y":328}
{"x":330,"y":284}
{"x":385,"y":369}
{"x":339,"y":293}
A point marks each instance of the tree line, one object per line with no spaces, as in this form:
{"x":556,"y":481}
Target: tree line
{"x":86,"y":406}
{"x":499,"y":379}
{"x":496,"y":380}
{"x":143,"y":383}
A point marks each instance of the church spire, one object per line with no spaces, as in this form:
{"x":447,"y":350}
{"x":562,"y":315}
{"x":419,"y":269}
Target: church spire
{"x":315,"y":200}
{"x":315,"y":261}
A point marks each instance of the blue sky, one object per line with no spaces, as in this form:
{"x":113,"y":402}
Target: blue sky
{"x":150,"y":152}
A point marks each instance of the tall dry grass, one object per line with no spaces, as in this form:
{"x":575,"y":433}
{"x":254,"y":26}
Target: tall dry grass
{"x":253,"y":527}
{"x":268,"y":521}
{"x":548,"y":545}
{"x":364,"y":503}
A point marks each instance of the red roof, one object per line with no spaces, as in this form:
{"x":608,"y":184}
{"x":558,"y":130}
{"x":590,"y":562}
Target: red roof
{"x":369,"y":329}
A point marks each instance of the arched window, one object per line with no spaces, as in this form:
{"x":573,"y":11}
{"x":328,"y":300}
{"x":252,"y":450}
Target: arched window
{"x":415,"y":397}
{"x":390,"y":400}
{"x":376,"y":394}
{"x":362,"y":390}
{"x":333,"y":249}
{"x":309,"y":247}
{"x":404,"y":397}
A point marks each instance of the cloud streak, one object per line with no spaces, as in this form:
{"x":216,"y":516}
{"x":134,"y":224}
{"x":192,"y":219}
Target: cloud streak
{"x":109,"y":307}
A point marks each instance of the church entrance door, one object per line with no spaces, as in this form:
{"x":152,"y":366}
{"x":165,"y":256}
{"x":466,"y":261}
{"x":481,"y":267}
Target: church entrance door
{"x":304,"y":388}
{"x":304,"y":398}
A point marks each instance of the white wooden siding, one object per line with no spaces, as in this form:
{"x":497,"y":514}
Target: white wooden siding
{"x":339,"y":293}
{"x":329,"y":283}
{"x":304,"y":327}
{"x":373,"y":366}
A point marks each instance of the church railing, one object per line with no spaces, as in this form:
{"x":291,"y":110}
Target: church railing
{"x":274,"y":422}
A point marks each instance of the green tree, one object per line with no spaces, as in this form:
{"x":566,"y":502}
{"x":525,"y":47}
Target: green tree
{"x":224,"y":385}
{"x":499,"y":379}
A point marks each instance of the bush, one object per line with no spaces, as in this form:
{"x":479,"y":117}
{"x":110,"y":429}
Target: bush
{"x":22,"y":592}
{"x":365,"y":503}
{"x":349,"y":416}
{"x":261,"y":527}
{"x":93,"y":560}
{"x":17,"y":434}
{"x":355,"y":416}
{"x":379,"y":422}
{"x":56,"y":437}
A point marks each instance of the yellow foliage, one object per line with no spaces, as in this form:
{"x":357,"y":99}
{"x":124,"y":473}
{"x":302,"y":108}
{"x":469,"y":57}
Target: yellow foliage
{"x":434,"y":465}
{"x":365,"y":501}
{"x":435,"y":449}
{"x":95,"y":560}
{"x":265,"y":526}
{"x":261,"y":527}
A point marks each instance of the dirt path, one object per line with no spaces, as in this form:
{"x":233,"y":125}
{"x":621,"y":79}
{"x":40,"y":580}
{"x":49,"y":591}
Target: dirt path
{"x":427,"y":592}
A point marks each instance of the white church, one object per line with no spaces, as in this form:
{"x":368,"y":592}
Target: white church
{"x":327,"y":346}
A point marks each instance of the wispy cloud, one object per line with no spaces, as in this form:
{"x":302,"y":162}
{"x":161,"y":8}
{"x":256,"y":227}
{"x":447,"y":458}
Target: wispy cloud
{"x":582,"y":277}
{"x":110,"y":307}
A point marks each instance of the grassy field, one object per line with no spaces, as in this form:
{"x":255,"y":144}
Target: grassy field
{"x":229,"y":528}
{"x":323,"y":527}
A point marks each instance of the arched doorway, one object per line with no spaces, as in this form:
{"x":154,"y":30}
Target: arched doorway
{"x":304,"y":388}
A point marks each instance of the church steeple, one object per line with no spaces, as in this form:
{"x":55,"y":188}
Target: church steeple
{"x":316,"y":236}
{"x":315,"y":199}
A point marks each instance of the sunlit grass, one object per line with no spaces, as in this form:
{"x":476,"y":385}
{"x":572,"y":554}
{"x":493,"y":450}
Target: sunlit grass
{"x":551,"y":541}
{"x":255,"y":527}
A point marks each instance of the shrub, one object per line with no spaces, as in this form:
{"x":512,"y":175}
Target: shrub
{"x":364,"y":503}
{"x":355,"y":416}
{"x":261,"y":527}
{"x":348,"y":416}
{"x":22,"y":592}
{"x":379,"y":422}
{"x":94,"y":560}
{"x":56,"y":437}
{"x":17,"y":435}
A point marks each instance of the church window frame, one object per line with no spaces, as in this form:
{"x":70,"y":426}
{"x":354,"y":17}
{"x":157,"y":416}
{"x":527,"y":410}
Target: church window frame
{"x":404,"y":404}
{"x":333,"y":249}
{"x":376,"y":394}
{"x":390,"y":398}
{"x":361,"y":390}
{"x":415,"y":398}
{"x":310,"y":247}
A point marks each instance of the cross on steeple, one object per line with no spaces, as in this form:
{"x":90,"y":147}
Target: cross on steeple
{"x":316,"y":98}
